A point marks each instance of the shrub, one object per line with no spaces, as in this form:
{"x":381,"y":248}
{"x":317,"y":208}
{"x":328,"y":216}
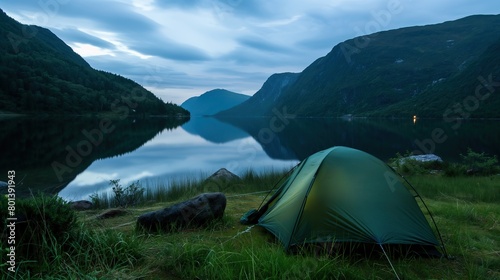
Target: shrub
{"x":42,"y":222}
{"x":51,"y":242}
{"x":49,"y":214}
{"x":409,"y":166}
{"x":128,"y":196}
{"x":99,"y":201}
{"x":480,"y":163}
{"x":121,"y":197}
{"x":454,"y":169}
{"x":473,"y":163}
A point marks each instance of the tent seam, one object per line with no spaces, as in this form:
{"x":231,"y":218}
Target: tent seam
{"x":305,"y":197}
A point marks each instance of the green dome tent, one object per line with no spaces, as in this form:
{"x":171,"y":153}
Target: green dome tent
{"x":344,"y":195}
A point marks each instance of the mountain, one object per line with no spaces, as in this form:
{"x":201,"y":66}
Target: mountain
{"x":262,"y":101}
{"x":213,"y":130}
{"x":472,"y":93}
{"x":39,"y":73}
{"x":386,"y":73}
{"x":213,"y":101}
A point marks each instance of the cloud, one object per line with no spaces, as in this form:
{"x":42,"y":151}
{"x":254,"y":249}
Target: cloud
{"x":184,"y":4}
{"x":73,"y":35}
{"x":147,"y":72}
{"x":113,"y":16}
{"x":179,"y":48}
{"x":168,"y":49}
{"x":260,"y":43}
{"x":257,"y":8}
{"x":222,"y":8}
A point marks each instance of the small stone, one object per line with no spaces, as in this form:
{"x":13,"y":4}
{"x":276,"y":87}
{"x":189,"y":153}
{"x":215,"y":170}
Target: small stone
{"x":81,"y":205}
{"x":112,"y":213}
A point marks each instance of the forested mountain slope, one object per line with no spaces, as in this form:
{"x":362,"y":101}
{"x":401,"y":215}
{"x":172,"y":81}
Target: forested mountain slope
{"x":39,"y":73}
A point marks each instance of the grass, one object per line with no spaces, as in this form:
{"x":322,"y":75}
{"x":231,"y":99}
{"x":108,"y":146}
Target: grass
{"x":466,"y":210}
{"x":466,"y":189}
{"x":172,"y":190}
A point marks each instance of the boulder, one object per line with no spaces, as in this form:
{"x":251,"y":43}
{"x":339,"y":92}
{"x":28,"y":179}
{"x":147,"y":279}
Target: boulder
{"x":223,"y":175}
{"x":81,"y":205}
{"x":426,"y":158}
{"x":221,"y":180}
{"x":3,"y":184}
{"x":195,"y":212}
{"x":422,"y":158}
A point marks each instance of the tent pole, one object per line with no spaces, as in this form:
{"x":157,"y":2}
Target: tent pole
{"x":277,"y":183}
{"x":430,"y":214}
{"x":301,"y":208}
{"x":428,"y":211}
{"x":389,"y":260}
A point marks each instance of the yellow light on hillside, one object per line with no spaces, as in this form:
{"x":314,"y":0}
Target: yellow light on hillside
{"x":414,"y":119}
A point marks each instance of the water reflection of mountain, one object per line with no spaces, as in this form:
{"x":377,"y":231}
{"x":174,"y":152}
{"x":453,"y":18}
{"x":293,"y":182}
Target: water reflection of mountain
{"x":299,"y":138}
{"x":40,"y":149}
{"x":213,"y":130}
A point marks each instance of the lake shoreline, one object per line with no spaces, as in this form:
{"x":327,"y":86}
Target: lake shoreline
{"x":115,"y":115}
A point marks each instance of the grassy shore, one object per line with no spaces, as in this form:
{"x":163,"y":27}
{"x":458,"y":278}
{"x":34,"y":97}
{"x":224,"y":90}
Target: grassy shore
{"x":466,"y":209}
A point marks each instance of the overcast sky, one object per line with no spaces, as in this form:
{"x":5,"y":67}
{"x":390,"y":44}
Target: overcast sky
{"x":182,"y":48}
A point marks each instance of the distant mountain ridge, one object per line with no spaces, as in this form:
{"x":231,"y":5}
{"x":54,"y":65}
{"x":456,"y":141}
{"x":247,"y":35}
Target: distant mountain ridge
{"x":39,"y":73}
{"x":385,"y":73}
{"x":213,"y":101}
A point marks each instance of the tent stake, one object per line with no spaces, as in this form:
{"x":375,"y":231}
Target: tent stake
{"x":389,"y":260}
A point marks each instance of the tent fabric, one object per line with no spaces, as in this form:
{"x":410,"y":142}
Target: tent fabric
{"x":345,"y":195}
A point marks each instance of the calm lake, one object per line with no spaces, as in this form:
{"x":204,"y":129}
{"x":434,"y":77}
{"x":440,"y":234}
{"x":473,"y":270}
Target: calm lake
{"x":76,"y":157}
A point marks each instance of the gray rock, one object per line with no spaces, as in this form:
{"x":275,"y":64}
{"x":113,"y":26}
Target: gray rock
{"x":195,"y":212}
{"x":221,"y":180}
{"x":422,"y":158}
{"x":81,"y":205}
{"x":223,"y":175}
{"x":426,"y":158}
{"x":3,"y":184}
